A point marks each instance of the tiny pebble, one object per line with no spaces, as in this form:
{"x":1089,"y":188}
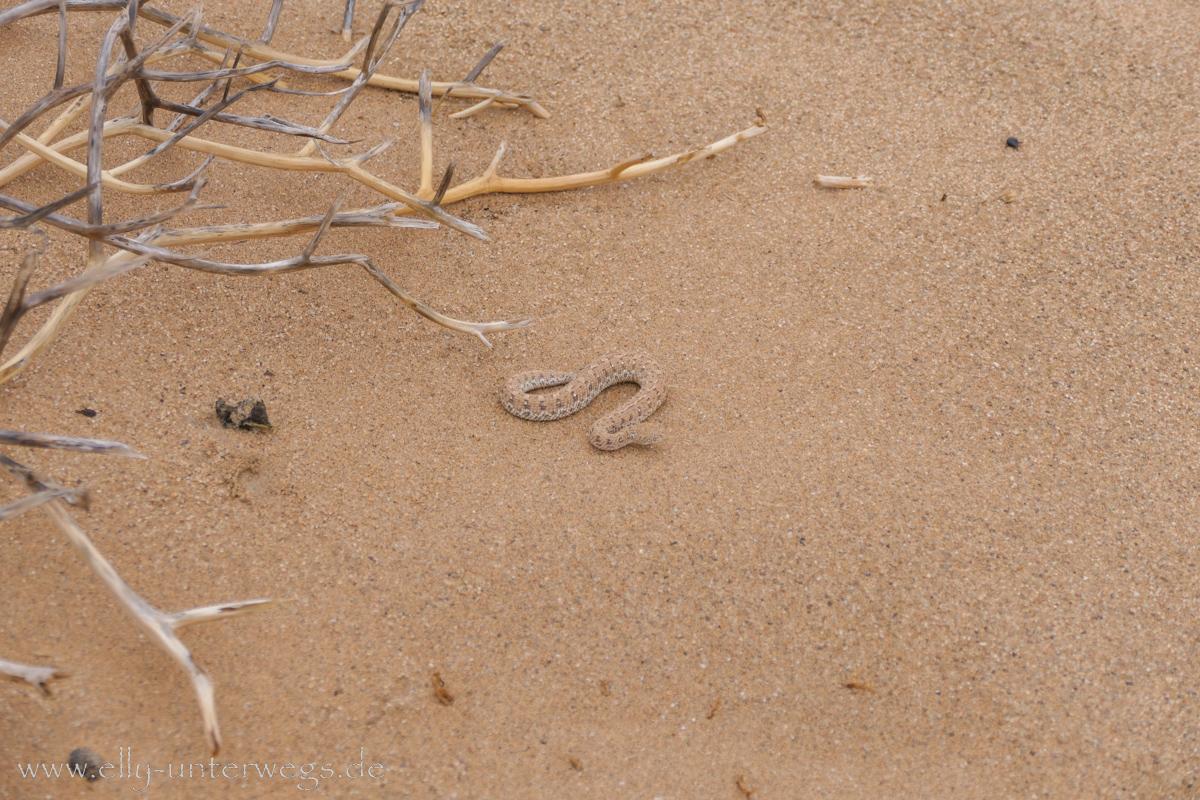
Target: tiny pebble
{"x":1013,"y":142}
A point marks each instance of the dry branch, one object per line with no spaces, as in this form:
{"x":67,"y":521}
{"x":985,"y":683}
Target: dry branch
{"x":79,"y":445}
{"x":261,"y":51}
{"x":160,"y":626}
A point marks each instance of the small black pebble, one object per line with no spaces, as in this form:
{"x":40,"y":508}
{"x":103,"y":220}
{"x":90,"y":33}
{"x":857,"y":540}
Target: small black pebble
{"x":85,"y":764}
{"x":1013,"y":142}
{"x":88,"y":412}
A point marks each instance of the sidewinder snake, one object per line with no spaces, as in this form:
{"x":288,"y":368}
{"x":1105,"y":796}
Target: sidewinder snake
{"x":615,"y":429}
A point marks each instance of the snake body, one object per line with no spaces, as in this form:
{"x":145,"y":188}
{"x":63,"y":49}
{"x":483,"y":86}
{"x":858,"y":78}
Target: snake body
{"x":612,"y":431}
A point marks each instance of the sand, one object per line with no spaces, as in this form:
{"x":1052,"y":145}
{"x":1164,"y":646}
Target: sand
{"x":924,"y":520}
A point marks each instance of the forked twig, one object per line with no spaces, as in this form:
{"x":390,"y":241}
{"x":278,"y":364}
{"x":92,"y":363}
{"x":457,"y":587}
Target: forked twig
{"x":469,"y":82}
{"x":38,"y":677}
{"x":160,"y":626}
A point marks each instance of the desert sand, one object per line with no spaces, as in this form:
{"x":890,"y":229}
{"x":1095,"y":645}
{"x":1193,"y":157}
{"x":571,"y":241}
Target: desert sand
{"x":923,"y":522}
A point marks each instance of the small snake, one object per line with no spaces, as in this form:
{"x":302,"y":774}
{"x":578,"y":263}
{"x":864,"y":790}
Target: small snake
{"x":612,"y":431}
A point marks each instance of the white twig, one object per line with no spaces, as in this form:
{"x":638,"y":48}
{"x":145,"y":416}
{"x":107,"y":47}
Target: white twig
{"x":836,"y":182}
{"x":159,"y":626}
{"x":54,"y":442}
{"x":34,"y":676}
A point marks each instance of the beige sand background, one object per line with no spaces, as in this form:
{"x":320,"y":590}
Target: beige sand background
{"x":919,"y":438}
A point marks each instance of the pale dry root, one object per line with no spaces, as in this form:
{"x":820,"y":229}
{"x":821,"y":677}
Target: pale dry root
{"x":839,"y":182}
{"x":132,"y":61}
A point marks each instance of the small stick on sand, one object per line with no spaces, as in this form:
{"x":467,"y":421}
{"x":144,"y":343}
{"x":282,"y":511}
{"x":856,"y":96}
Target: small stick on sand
{"x":76,"y":443}
{"x":858,"y":686}
{"x":34,"y":676}
{"x":439,"y":689}
{"x":837,"y":182}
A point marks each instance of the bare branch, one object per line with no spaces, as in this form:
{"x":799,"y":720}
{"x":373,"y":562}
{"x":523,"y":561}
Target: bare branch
{"x":45,"y":335}
{"x":242,"y":72}
{"x":230,"y":59}
{"x":425,"y":124}
{"x":265,"y":53}
{"x":193,"y":616}
{"x":32,"y":218}
{"x":52,"y":155}
{"x":47,"y":212}
{"x":447,"y":176}
{"x":37,"y":483}
{"x":374,"y":151}
{"x":491,"y":182}
{"x":59,"y":96}
{"x":32,"y":8}
{"x":478,"y":69}
{"x":16,"y":300}
{"x":321,"y":231}
{"x":272,"y":21}
{"x":110,"y":269}
{"x":378,"y":217}
{"x":840,"y":182}
{"x":372,"y":58}
{"x":477,"y":329}
{"x":146,"y":95}
{"x":93,"y":232}
{"x":472,"y":110}
{"x":61,"y":67}
{"x":302,"y":93}
{"x":159,"y":626}
{"x":201,"y":118}
{"x":266,"y":122}
{"x":75,"y":443}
